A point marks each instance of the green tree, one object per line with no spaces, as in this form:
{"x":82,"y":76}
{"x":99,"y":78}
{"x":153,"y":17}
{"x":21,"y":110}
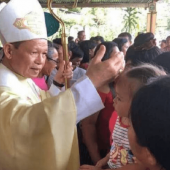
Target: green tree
{"x":130,"y":20}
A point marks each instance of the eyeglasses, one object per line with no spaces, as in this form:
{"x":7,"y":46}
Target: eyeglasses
{"x":56,"y":61}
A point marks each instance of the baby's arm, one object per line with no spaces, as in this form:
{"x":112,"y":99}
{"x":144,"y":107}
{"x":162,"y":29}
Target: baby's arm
{"x":103,"y":161}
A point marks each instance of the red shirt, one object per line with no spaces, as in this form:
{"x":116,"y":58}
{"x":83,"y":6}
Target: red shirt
{"x":105,"y":117}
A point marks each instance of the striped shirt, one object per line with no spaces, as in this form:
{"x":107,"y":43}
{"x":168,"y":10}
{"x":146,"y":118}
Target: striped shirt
{"x":119,"y":152}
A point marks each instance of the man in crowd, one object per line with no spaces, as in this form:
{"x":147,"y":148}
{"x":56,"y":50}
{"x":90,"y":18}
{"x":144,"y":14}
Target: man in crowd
{"x":126,"y":35}
{"x":37,"y":129}
{"x":81,"y":36}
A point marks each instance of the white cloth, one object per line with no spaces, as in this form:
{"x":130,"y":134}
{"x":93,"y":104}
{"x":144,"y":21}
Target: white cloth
{"x":77,"y":73}
{"x":86,"y":97}
{"x":21,"y":20}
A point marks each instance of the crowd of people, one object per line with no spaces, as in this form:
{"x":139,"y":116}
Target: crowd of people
{"x":115,"y":115}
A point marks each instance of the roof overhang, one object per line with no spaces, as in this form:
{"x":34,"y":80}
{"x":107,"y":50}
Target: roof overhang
{"x":96,"y":3}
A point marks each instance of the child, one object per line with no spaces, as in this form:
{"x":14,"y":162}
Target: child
{"x":127,"y":85}
{"x":76,"y":58}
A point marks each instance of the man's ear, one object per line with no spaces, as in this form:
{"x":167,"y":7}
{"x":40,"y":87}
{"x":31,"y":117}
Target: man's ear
{"x":8,"y":50}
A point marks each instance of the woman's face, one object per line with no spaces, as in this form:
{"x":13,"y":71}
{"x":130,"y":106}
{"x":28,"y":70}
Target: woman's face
{"x":50,"y":64}
{"x":125,"y":48}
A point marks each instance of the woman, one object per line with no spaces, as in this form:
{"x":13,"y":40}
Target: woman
{"x":97,"y":129}
{"x":88,"y":47}
{"x":122,"y":44}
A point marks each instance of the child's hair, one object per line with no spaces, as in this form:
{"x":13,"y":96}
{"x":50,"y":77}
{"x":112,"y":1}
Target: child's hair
{"x":142,"y":73}
{"x":150,"y":117}
{"x":109,"y":49}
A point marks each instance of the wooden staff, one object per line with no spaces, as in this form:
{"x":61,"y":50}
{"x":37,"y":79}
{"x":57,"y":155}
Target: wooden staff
{"x":64,"y":39}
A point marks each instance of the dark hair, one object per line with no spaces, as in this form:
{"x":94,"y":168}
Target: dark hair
{"x":72,"y":45}
{"x":109,"y":49}
{"x":80,"y":32}
{"x":163,"y":60}
{"x":17,"y":44}
{"x":150,"y":116}
{"x":77,"y":52}
{"x":57,"y":41}
{"x":120,"y":42}
{"x":92,"y":39}
{"x":163,"y":41}
{"x":85,"y":46}
{"x":70,"y":38}
{"x":126,"y":34}
{"x":144,"y":49}
{"x":99,"y":38}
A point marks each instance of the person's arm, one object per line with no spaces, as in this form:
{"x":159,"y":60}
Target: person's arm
{"x":127,"y":167}
{"x":90,"y":136}
{"x":103,"y":162}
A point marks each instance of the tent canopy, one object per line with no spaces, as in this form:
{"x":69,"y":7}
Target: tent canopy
{"x":96,"y":3}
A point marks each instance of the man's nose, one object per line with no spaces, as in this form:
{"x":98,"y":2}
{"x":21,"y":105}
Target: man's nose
{"x":40,"y":59}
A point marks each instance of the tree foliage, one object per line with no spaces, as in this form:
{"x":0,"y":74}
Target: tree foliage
{"x":131,"y":18}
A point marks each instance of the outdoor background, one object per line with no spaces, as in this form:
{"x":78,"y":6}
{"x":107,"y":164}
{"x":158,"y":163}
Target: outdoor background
{"x":109,"y":22}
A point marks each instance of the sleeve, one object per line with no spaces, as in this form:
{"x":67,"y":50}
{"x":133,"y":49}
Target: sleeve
{"x":86,"y":97}
{"x":32,"y":134}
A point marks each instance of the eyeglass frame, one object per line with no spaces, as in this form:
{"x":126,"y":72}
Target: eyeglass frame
{"x":53,"y":60}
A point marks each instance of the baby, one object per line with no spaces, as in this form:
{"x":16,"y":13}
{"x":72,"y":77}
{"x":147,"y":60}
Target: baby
{"x":127,"y":84}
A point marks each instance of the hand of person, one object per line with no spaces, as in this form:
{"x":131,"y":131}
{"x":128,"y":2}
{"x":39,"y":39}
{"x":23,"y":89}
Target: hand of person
{"x":102,"y":72}
{"x":102,"y":162}
{"x":89,"y":167}
{"x":64,"y":73}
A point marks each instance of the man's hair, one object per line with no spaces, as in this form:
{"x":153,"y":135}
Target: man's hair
{"x":126,"y":34}
{"x":150,"y":117}
{"x":120,"y":42}
{"x":109,"y":49}
{"x":80,"y":32}
{"x":17,"y":44}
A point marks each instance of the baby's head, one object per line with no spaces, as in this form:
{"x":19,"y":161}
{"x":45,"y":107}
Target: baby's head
{"x":131,"y":81}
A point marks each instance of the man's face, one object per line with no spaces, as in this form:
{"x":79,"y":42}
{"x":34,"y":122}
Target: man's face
{"x":82,"y":36}
{"x":28,"y":60}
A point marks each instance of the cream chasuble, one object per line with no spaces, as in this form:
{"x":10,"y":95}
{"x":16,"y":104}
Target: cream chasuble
{"x":36,"y":132}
